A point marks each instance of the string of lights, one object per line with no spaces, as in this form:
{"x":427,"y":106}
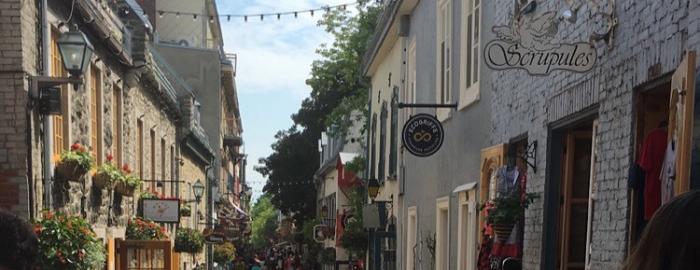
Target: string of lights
{"x":261,"y":16}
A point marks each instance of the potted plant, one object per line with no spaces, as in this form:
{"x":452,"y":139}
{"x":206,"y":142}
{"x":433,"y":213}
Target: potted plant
{"x":73,"y":164}
{"x":143,"y":229}
{"x":127,"y":184}
{"x":503,"y":212}
{"x":189,"y":240}
{"x":185,"y":210}
{"x":107,"y":174}
{"x":224,"y":253}
{"x":67,"y":242}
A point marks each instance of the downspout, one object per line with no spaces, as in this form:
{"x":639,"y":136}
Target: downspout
{"x":46,"y":121}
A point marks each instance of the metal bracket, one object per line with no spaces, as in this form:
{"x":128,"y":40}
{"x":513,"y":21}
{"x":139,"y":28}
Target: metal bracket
{"x":402,"y":105}
{"x":38,"y":82}
{"x":530,"y":155}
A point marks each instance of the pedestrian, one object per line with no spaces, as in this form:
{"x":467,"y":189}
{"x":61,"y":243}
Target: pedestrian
{"x":671,"y":239}
{"x":20,"y":246}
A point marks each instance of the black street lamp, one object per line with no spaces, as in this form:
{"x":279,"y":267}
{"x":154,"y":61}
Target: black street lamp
{"x":76,"y":52}
{"x":198,"y":189}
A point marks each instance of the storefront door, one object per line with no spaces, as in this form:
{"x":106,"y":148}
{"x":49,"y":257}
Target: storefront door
{"x":575,"y":197}
{"x":144,"y":255}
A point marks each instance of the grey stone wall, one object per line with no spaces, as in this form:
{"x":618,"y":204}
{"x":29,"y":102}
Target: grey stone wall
{"x":649,"y":33}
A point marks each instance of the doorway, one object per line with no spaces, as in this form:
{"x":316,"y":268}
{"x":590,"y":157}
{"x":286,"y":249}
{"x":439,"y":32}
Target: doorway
{"x":571,"y":183}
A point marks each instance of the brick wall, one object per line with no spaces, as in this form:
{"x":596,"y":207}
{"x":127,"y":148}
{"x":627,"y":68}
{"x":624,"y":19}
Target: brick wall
{"x":649,"y":32}
{"x":18,"y":58}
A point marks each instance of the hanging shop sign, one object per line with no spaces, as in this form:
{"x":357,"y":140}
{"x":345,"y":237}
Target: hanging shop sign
{"x":529,"y":43}
{"x":423,"y":135}
{"x":161,"y":210}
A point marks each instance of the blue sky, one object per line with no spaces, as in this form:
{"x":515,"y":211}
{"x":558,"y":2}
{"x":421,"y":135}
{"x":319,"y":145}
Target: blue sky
{"x":274,"y":61}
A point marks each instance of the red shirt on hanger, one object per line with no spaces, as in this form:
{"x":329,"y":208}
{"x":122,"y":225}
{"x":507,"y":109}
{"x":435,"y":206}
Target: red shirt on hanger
{"x":651,"y":160}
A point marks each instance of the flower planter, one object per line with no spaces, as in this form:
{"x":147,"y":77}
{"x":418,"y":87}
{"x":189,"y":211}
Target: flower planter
{"x":502,"y":231}
{"x":185,"y":212}
{"x":101,"y":180}
{"x":69,"y":170}
{"x":124,"y":189}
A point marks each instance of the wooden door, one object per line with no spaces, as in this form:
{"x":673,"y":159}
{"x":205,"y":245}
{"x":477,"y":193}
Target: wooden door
{"x":491,"y":159}
{"x":144,"y":255}
{"x":575,"y":199}
{"x":680,"y":128}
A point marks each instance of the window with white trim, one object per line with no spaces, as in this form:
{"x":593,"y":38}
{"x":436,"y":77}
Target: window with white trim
{"x":470,"y":40}
{"x":444,"y":67}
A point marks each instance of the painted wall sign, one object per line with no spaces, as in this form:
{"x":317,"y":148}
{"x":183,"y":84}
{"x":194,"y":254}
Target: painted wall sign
{"x":166,"y":211}
{"x":529,"y":43}
{"x":423,"y":135}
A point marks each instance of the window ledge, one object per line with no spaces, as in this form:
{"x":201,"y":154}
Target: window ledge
{"x":468,"y":97}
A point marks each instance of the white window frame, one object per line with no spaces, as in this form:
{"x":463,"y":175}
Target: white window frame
{"x":442,"y":244}
{"x":444,"y":34}
{"x":470,"y":38}
{"x":411,"y":237}
{"x":467,"y":230}
{"x":410,"y":89}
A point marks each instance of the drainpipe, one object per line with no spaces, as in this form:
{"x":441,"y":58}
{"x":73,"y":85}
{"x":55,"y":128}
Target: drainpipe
{"x":47,"y":120}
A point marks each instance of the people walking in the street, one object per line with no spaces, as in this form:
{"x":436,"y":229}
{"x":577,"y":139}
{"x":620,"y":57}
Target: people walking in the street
{"x":671,"y":240}
{"x":20,"y":246}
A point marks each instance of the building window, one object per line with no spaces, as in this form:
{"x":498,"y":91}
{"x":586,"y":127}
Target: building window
{"x":466,"y":232}
{"x":172,"y":169}
{"x":442,"y":236}
{"x":412,"y":248}
{"x":139,"y":150}
{"x":393,"y":133}
{"x":61,"y":121}
{"x":163,"y":164}
{"x":117,"y":124}
{"x":373,"y":156}
{"x":470,"y":39}
{"x":444,"y":40}
{"x":153,"y":159}
{"x":382,"y":143}
{"x":96,"y":113}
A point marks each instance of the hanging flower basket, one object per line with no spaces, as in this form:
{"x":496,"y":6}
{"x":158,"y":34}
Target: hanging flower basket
{"x":124,"y":189}
{"x":502,"y":231}
{"x":73,"y":164}
{"x":127,"y":183}
{"x":188,"y":241}
{"x":107,"y":174}
{"x":185,"y":211}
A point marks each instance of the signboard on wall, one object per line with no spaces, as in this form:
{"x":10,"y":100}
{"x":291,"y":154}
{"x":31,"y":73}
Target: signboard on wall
{"x":159,"y":210}
{"x":529,"y":43}
{"x":423,"y":135}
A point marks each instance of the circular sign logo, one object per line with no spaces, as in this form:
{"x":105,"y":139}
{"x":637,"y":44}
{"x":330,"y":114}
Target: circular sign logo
{"x":423,"y":135}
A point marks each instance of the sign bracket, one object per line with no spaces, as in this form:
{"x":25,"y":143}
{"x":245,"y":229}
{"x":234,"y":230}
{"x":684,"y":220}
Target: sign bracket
{"x":402,"y":105}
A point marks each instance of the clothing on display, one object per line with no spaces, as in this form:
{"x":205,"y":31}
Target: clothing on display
{"x":651,"y":161}
{"x":668,"y":173}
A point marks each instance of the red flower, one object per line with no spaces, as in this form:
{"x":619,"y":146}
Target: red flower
{"x":75,"y":146}
{"x":38,"y":229}
{"x":110,"y":157}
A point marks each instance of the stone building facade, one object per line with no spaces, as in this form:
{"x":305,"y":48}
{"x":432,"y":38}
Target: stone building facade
{"x":132,"y":107}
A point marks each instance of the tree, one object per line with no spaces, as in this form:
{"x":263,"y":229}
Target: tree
{"x":338,"y":88}
{"x":224,"y":253}
{"x":264,"y":222}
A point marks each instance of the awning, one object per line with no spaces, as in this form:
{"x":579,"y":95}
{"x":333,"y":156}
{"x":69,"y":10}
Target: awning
{"x":465,"y":187}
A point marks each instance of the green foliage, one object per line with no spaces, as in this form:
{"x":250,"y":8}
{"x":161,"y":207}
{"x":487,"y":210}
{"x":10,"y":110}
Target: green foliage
{"x":189,"y":240}
{"x":67,"y":242}
{"x":327,"y":256}
{"x":355,"y":237}
{"x":143,"y":229}
{"x":509,"y":208}
{"x":337,"y":90}
{"x":356,"y":165}
{"x":110,"y":171}
{"x":224,"y":253}
{"x":185,"y":210}
{"x":264,"y":222}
